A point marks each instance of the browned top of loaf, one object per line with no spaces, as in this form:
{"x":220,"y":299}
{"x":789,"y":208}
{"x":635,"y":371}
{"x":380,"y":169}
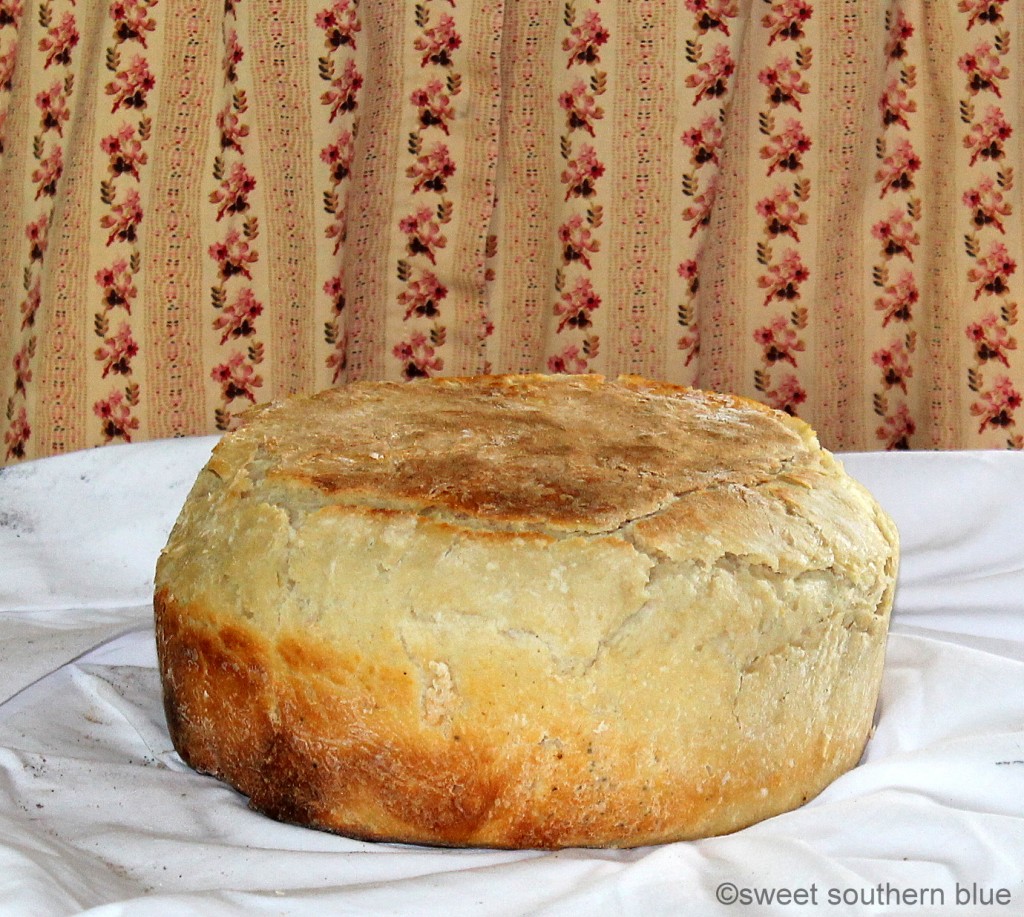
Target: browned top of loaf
{"x":552,"y":453}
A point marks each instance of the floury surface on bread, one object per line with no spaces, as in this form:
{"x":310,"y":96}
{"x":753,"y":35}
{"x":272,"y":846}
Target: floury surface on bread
{"x":524,"y":611}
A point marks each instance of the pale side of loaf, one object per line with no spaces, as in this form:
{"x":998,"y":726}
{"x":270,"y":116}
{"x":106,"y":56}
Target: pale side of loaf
{"x":524,"y":611}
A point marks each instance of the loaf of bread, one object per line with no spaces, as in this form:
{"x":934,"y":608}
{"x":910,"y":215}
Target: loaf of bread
{"x":524,"y":611}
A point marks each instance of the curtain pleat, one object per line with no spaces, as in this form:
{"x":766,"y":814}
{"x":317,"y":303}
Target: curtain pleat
{"x":813,"y":203}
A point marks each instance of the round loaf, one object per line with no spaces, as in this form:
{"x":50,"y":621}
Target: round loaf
{"x":524,"y":611}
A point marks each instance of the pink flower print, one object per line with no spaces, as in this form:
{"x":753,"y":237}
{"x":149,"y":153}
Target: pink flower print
{"x":337,"y":229}
{"x":992,"y":270}
{"x":116,"y":417}
{"x":897,"y":429}
{"x":432,"y":170}
{"x":423,"y":233}
{"x":339,"y":155}
{"x":132,"y":20}
{"x":423,"y":297}
{"x":712,"y":14}
{"x":236,"y":378}
{"x":711,"y":78}
{"x":233,"y":256}
{"x":10,"y":12}
{"x":419,"y":357}
{"x":986,"y":137}
{"x":782,"y":214}
{"x":689,"y":271}
{"x":898,"y":299}
{"x":59,"y":41}
{"x":337,"y":359}
{"x":335,"y":290}
{"x":434,"y":107}
{"x":900,"y":32}
{"x":238,"y":319}
{"x":785,"y":151}
{"x":234,"y":54}
{"x":584,"y":39}
{"x":130,"y":87}
{"x":787,"y":395}
{"x":786,"y":19}
{"x":23,"y":367}
{"x":343,"y":96}
{"x":48,"y":173}
{"x":897,"y":235}
{"x":991,"y":340}
{"x":779,"y":342}
{"x":53,"y":107}
{"x":988,"y":204}
{"x":233,"y":193}
{"x":7,"y":60}
{"x":125,"y":151}
{"x":782,"y":280}
{"x":577,"y":241}
{"x":485,"y":328}
{"x":785,"y":83}
{"x":897,"y":170}
{"x":577,"y":304}
{"x":894,"y":362}
{"x":689,"y":343}
{"x":704,"y":141}
{"x":117,"y":352}
{"x":996,"y":408}
{"x":984,"y":69}
{"x":30,"y":304}
{"x":439,"y":42}
{"x":339,"y":22}
{"x":699,"y":212}
{"x":37,"y":233}
{"x":18,"y":435}
{"x":581,"y":173}
{"x":118,"y":283}
{"x":124,"y":218}
{"x":581,"y":108}
{"x":986,"y":11}
{"x":231,"y":127}
{"x":895,"y":104}
{"x":569,"y":360}
{"x":334,"y":331}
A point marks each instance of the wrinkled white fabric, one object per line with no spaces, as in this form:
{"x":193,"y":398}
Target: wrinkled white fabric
{"x":98,"y":815}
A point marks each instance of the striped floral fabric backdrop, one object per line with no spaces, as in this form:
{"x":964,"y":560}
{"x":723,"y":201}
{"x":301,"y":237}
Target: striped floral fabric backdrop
{"x":814,"y":203}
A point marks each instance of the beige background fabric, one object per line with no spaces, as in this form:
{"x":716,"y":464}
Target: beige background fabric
{"x":204,"y":205}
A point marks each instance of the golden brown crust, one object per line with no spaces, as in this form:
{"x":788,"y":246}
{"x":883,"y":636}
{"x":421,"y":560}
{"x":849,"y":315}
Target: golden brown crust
{"x":574,"y":454}
{"x":524,"y":612}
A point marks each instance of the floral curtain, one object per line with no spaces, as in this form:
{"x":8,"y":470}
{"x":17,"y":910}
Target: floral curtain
{"x":814,"y":203}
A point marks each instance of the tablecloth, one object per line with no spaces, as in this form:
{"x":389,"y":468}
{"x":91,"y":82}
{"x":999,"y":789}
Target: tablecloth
{"x":98,"y":814}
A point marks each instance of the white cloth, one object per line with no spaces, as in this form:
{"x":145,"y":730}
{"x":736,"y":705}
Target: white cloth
{"x":99,"y":815}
